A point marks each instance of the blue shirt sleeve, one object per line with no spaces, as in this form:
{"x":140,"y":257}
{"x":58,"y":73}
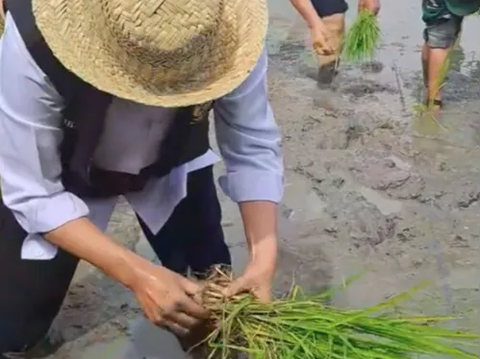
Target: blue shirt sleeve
{"x":30,"y":135}
{"x":249,"y":140}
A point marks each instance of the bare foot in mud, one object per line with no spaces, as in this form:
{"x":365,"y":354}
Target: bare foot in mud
{"x":433,"y":108}
{"x":326,"y":75}
{"x":435,"y":104}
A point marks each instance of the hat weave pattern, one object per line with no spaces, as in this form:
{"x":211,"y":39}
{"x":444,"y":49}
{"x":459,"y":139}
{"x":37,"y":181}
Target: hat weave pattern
{"x":2,"y":18}
{"x":158,"y":52}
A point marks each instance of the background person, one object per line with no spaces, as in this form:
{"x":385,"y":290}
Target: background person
{"x":326,"y":21}
{"x":443,"y":24}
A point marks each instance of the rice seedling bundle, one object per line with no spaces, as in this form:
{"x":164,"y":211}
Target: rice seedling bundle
{"x":301,"y":327}
{"x":362,"y":38}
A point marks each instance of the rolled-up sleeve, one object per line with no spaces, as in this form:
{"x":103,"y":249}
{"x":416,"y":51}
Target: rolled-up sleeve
{"x":30,"y":135}
{"x":249,"y":140}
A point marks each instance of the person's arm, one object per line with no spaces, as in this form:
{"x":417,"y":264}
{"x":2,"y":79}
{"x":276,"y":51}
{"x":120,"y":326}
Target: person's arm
{"x":30,"y":167}
{"x":318,"y":30}
{"x":30,"y":174}
{"x":249,"y":141}
{"x":307,"y":11}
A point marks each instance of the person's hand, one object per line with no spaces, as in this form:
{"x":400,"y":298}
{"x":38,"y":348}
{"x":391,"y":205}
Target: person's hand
{"x":258,"y":276}
{"x":320,"y":41}
{"x":369,"y":5}
{"x":167,"y":298}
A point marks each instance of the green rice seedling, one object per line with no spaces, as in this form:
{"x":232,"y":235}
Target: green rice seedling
{"x":423,"y":110}
{"x":362,"y":38}
{"x":301,"y":327}
{"x":442,"y":74}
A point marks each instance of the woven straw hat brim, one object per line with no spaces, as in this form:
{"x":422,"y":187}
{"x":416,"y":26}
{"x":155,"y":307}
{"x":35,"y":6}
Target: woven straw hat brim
{"x":77,"y":35}
{"x":2,"y":18}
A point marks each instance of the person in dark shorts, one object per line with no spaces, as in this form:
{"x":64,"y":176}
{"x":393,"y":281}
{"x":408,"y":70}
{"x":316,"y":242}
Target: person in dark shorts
{"x":326,"y":20}
{"x":443,"y":23}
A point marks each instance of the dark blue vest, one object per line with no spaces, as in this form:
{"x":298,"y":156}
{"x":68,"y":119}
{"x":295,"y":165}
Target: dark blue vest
{"x":84,"y":117}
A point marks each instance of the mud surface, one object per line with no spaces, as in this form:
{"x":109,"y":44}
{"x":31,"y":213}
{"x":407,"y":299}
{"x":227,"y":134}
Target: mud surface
{"x":370,"y":187}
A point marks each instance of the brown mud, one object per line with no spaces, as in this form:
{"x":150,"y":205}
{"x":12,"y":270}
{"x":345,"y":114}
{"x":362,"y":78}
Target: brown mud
{"x":370,"y":188}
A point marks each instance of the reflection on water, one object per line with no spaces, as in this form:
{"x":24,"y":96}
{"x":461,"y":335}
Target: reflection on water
{"x":434,"y":131}
{"x":457,"y":57}
{"x":475,"y":70}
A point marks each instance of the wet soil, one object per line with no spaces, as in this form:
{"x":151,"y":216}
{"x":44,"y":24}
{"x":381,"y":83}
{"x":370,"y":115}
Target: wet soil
{"x":371,"y":187}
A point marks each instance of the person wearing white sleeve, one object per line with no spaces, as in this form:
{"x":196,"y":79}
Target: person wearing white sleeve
{"x":83,"y":121}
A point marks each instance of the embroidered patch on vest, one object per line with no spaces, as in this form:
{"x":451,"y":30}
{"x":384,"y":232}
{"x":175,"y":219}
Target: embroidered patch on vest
{"x":68,"y":123}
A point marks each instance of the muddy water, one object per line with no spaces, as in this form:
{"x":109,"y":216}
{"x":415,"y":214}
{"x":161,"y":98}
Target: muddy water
{"x":401,"y":190}
{"x":370,"y":188}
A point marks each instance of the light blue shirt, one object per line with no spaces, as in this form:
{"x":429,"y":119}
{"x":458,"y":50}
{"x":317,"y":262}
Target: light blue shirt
{"x":30,"y":135}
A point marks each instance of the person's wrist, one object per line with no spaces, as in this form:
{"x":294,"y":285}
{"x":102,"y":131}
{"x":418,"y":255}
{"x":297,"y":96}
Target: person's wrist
{"x":128,"y":268}
{"x":317,"y":26}
{"x":264,"y":251}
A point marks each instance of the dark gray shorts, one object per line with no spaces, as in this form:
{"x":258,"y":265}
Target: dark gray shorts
{"x":442,"y":33}
{"x":330,"y":7}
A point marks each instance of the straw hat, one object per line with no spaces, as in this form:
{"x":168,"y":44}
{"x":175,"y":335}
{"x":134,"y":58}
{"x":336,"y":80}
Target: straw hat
{"x":158,"y":52}
{"x":2,"y":18}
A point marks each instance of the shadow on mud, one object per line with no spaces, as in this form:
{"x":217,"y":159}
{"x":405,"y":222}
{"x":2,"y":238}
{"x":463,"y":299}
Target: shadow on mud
{"x":104,"y":307}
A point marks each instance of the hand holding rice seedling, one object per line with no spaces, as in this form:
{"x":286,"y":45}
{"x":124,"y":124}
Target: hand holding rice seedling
{"x":362,"y":38}
{"x":301,"y":327}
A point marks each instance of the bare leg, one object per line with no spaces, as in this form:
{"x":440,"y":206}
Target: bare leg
{"x":440,"y":37}
{"x":436,"y":72}
{"x":335,"y":25}
{"x":425,"y":56}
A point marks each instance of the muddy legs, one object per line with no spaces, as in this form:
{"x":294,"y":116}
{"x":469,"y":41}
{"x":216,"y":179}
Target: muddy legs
{"x":328,"y":64}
